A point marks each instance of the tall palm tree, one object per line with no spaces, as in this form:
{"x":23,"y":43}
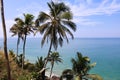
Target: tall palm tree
{"x":16,"y":29}
{"x":56,"y":25}
{"x":54,"y":57}
{"x":5,"y":40}
{"x":27,"y":28}
{"x":81,"y":65}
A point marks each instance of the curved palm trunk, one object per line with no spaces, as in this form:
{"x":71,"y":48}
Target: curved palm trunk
{"x":23,"y":57}
{"x":5,"y":41}
{"x":46,"y":61}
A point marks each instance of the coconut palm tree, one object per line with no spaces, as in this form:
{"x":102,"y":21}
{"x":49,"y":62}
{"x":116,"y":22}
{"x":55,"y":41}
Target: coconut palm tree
{"x":56,"y":25}
{"x":39,"y":64}
{"x":81,"y":66}
{"x":5,"y":39}
{"x":16,"y":29}
{"x":54,"y":57}
{"x":27,"y":28}
{"x":39,"y":67}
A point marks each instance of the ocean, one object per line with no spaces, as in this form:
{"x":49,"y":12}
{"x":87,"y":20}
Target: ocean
{"x":104,"y":51}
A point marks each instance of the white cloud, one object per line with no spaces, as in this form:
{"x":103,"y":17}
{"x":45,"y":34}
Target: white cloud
{"x":85,"y":22}
{"x":86,"y":8}
{"x":90,"y":8}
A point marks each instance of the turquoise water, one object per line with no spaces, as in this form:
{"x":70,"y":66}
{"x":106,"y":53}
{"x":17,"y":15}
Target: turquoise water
{"x":104,"y":51}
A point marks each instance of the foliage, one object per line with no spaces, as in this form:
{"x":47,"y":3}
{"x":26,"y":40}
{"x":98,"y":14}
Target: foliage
{"x":94,"y":77}
{"x":56,"y":25}
{"x":22,"y":28}
{"x":68,"y":74}
{"x":17,"y":29}
{"x":81,"y":65}
{"x":54,"y":57}
{"x":39,"y":64}
{"x":16,"y":71}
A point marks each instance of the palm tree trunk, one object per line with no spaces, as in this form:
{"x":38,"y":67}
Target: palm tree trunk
{"x":50,"y":48}
{"x":18,"y":44}
{"x":46,"y":61}
{"x":51,"y":69}
{"x":5,"y":41}
{"x":23,"y":57}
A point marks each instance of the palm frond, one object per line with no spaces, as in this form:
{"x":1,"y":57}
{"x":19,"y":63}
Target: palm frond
{"x":28,"y":19}
{"x":19,"y":21}
{"x":52,"y":9}
{"x":94,"y":77}
{"x":62,"y":32}
{"x":66,"y":15}
{"x":60,"y":41}
{"x":61,"y":7}
{"x":39,"y":63}
{"x":43,"y":17}
{"x":14,"y":34}
{"x":46,"y":35}
{"x":68,"y":31}
{"x":70,"y":24}
{"x":43,"y":27}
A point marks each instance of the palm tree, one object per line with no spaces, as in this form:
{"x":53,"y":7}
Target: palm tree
{"x":56,"y":25}
{"x":39,"y":67}
{"x":81,"y":65}
{"x":5,"y":39}
{"x":27,"y":27}
{"x":54,"y":57}
{"x":16,"y":29}
{"x":39,"y":64}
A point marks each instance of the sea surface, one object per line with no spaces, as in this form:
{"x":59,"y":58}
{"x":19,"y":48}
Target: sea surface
{"x":104,"y":51}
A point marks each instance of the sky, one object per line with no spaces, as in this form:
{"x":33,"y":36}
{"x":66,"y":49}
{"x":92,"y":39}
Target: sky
{"x":94,"y":18}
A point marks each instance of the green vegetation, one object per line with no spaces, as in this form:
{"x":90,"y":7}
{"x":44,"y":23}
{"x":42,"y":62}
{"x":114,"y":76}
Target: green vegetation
{"x":55,"y":27}
{"x":54,"y":57}
{"x":22,"y":28}
{"x":81,"y":67}
{"x":67,"y":74}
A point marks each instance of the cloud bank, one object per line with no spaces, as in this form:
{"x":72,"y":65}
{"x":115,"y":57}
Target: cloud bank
{"x":86,"y":8}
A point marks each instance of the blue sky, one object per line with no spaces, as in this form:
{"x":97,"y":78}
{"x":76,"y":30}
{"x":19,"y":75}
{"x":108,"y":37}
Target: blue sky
{"x":94,"y":18}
